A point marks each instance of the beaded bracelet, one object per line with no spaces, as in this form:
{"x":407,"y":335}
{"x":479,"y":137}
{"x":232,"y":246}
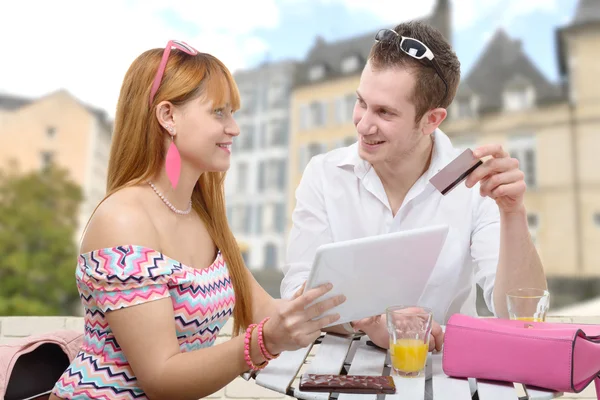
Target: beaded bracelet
{"x":247,"y":340}
{"x":261,"y":342}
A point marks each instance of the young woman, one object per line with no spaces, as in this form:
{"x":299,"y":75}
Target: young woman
{"x":160,"y":272}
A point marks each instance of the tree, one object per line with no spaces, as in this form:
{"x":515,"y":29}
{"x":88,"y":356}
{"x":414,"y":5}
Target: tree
{"x":38,"y":252}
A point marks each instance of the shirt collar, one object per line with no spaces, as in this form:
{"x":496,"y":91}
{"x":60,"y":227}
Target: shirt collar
{"x":443,"y":153}
{"x":352,"y":159}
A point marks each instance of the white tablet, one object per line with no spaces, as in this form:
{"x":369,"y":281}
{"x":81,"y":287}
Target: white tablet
{"x":376,"y":272}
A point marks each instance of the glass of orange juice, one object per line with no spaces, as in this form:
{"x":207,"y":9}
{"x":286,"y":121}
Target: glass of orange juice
{"x":409,"y":328}
{"x":528,"y":304}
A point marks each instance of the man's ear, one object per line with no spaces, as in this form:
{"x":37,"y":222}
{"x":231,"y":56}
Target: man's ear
{"x":432,"y":120}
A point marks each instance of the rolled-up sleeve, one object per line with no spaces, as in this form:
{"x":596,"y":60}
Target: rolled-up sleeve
{"x":485,"y":247}
{"x":310,"y":228}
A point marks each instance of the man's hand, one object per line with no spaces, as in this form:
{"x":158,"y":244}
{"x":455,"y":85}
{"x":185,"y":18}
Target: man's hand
{"x":376,"y":328}
{"x":500,"y":178}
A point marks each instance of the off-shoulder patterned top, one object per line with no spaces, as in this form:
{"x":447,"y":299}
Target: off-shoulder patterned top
{"x":125,"y":276}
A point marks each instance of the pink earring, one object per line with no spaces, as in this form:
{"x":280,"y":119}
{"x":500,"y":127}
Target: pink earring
{"x":173,"y":161}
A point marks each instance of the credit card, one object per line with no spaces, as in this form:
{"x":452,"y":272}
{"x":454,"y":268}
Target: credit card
{"x":455,"y":172}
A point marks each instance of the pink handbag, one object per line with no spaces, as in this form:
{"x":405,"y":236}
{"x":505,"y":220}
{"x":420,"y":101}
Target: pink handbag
{"x":31,"y":365}
{"x":560,"y":357}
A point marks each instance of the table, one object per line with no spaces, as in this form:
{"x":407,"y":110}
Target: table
{"x":356,"y":356}
{"x":335,"y":354}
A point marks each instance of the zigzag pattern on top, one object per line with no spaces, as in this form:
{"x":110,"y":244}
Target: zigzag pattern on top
{"x":124,"y":276}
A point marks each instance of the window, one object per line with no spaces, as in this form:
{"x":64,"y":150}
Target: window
{"x":230,"y":215}
{"x":572,"y":88}
{"x":274,"y":174}
{"x":248,"y":101}
{"x":317,"y":113}
{"x":344,"y":108}
{"x":302,"y":157}
{"x":270,"y":256}
{"x":279,"y":101}
{"x":523,"y":149}
{"x":350,"y":140}
{"x":247,"y":219}
{"x":247,"y":134}
{"x":315,"y":149}
{"x":344,"y":142}
{"x":262,"y":141}
{"x":279,"y":133}
{"x":47,"y":159}
{"x":304,"y":117}
{"x":258,"y":226}
{"x":533,"y":221}
{"x":308,"y":151}
{"x":50,"y":132}
{"x":261,"y":176}
{"x":464,"y":108}
{"x":242,"y":177}
{"x":350,"y":64}
{"x":280,"y":218}
{"x":316,"y":72}
{"x":282,"y":175}
{"x":519,"y":98}
{"x":246,"y":256}
{"x":239,"y":218}
{"x":350,"y":103}
{"x":264,"y":97}
{"x":279,"y":93}
{"x":339,"y":110}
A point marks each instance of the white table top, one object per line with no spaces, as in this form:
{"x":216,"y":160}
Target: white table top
{"x":336,"y":354}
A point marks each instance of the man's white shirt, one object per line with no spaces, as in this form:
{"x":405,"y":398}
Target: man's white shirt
{"x":340,"y":197}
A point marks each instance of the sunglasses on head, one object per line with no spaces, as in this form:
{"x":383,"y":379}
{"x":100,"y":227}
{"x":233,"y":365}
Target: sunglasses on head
{"x":186,"y":48}
{"x":414,"y":48}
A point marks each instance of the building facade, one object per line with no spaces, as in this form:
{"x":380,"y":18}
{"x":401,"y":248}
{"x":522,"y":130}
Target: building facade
{"x":552,"y":128}
{"x":257,"y":182}
{"x":59,"y":129}
{"x":554,"y":131}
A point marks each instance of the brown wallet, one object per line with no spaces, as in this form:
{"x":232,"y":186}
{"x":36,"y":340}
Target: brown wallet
{"x":361,"y":384}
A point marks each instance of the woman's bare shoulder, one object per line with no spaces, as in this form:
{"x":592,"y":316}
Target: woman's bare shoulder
{"x":121,"y":219}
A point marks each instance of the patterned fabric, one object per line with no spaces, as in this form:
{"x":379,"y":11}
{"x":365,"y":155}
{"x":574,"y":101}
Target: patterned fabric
{"x":124,"y":276}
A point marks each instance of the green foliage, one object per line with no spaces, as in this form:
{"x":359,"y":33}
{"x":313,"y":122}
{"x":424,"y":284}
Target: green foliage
{"x":38,"y":252}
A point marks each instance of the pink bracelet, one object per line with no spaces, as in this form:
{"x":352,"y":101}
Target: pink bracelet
{"x":261,"y":342}
{"x":247,"y":340}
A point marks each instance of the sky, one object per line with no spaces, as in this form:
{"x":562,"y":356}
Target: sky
{"x":86,"y":47}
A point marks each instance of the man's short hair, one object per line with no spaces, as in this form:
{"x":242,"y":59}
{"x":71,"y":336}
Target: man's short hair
{"x":429,"y":87}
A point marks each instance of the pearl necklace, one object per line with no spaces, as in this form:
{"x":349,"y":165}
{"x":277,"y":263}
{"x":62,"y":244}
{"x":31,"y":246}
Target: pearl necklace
{"x":168,"y":203}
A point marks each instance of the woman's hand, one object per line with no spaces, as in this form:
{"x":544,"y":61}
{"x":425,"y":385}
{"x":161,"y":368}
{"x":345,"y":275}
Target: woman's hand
{"x":295,"y":325}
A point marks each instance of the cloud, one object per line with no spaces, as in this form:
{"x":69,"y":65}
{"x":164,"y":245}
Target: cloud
{"x":465,"y":12}
{"x":86,"y":47}
{"x":389,"y":11}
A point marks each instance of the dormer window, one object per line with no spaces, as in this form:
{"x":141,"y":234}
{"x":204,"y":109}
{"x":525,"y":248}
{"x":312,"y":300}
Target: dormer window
{"x":519,"y":95}
{"x":316,"y":72}
{"x":350,"y":64}
{"x":50,"y":132}
{"x":465,"y":107}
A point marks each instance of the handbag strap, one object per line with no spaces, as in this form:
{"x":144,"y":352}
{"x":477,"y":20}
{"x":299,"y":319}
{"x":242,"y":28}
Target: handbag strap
{"x":597,"y":384}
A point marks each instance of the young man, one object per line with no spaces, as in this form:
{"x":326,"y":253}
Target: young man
{"x":381,"y":184}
